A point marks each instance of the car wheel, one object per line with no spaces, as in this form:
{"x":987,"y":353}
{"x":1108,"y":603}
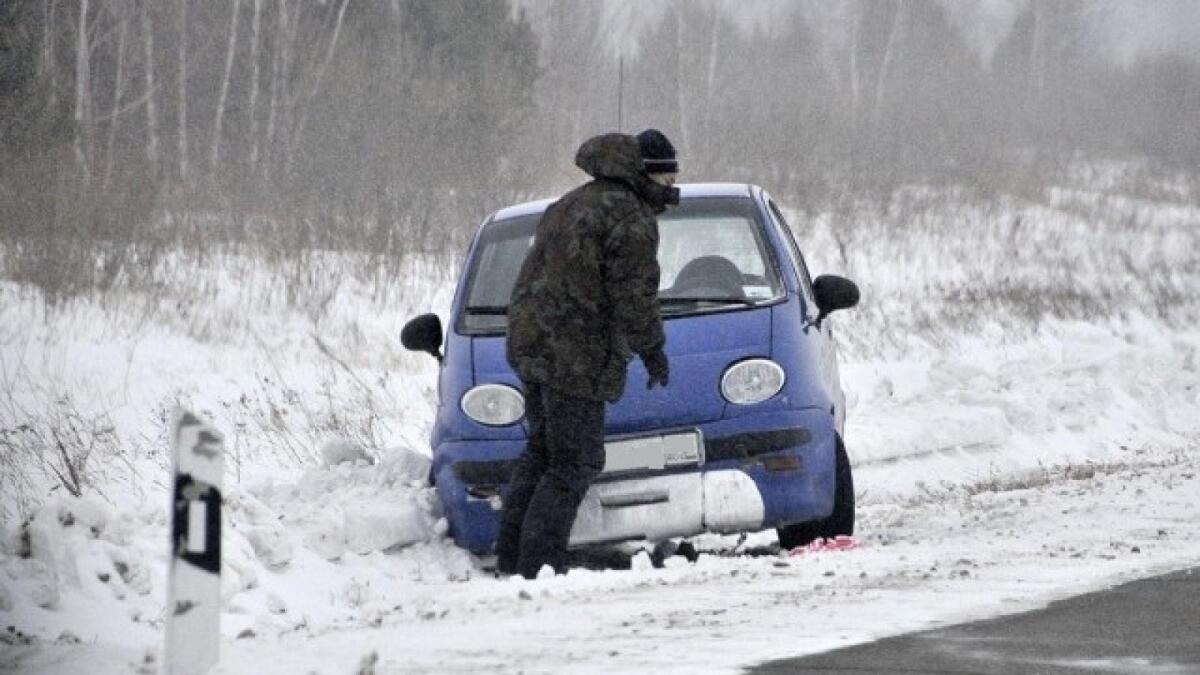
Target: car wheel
{"x":841,"y":521}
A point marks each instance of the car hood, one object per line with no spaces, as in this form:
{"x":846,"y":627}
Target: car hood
{"x":699,"y":348}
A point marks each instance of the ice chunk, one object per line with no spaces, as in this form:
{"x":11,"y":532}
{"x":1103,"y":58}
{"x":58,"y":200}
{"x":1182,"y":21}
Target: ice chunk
{"x":238,"y":569}
{"x":37,"y":580}
{"x":121,"y":530}
{"x":45,"y":535}
{"x":271,"y":544}
{"x":132,"y":569}
{"x":383,"y":526}
{"x":275,"y":604}
{"x":404,"y":466}
{"x":325,"y":539}
{"x":356,"y":593}
{"x":342,"y":451}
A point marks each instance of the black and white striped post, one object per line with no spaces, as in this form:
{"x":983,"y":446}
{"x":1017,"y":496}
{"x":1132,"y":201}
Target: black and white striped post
{"x":193,"y":616}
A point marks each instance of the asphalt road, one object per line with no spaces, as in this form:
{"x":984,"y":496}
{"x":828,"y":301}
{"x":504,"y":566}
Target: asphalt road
{"x":1147,"y":627}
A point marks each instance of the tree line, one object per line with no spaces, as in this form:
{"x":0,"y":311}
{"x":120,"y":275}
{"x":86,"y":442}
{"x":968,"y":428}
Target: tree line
{"x":859,"y":95}
{"x":393,"y":125}
{"x":302,"y":119}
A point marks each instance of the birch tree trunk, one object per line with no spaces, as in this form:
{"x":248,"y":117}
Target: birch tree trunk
{"x":855,"y":85}
{"x":287,"y":98}
{"x":83,"y":100}
{"x":255,"y":27}
{"x":302,"y":113}
{"x":276,"y":78}
{"x":49,"y":65}
{"x":710,"y":79}
{"x":151,"y":92}
{"x":1036,"y":49}
{"x":215,"y":155}
{"x":889,"y":53}
{"x":182,"y":92}
{"x":118,"y":94}
{"x":680,"y":101}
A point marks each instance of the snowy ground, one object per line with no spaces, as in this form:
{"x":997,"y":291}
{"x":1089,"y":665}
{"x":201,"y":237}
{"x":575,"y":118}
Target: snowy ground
{"x":1003,"y":458}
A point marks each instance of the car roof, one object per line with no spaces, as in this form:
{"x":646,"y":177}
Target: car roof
{"x":687,"y":191}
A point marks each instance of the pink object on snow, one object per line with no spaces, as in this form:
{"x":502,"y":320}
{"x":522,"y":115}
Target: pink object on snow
{"x":841,"y":542}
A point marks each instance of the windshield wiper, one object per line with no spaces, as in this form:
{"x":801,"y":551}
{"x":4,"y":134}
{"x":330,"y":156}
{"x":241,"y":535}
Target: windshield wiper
{"x":719,"y":300}
{"x":490,"y":310}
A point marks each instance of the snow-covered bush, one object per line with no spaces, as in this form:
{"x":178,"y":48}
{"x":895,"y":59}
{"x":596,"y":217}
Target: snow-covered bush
{"x":54,"y":446}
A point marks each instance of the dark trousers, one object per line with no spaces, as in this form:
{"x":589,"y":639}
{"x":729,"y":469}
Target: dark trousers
{"x":564,"y":454}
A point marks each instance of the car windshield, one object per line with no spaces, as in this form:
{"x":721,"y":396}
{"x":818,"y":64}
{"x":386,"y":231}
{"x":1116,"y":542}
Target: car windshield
{"x":711,"y":252}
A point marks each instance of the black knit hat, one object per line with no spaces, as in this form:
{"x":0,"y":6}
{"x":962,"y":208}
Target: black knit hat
{"x":658,"y":155}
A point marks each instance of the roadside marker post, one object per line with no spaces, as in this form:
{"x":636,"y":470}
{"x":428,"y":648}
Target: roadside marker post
{"x":193,"y":611}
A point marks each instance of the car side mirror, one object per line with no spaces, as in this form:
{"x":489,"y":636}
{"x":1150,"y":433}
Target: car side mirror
{"x":833,"y":293}
{"x":423,"y":334}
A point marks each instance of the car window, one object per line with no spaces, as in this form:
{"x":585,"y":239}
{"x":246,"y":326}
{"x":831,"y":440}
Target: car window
{"x":499,"y":264}
{"x":712,"y":254}
{"x":797,"y":258}
{"x":493,"y":272}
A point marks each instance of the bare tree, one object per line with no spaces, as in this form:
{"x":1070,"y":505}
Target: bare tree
{"x":181,"y":103}
{"x":791,"y":96}
{"x":255,"y":27}
{"x":117,"y":97}
{"x":83,"y":95}
{"x":710,"y":79}
{"x":219,"y":115}
{"x":301,"y":114}
{"x":50,"y":68}
{"x":279,"y":68}
{"x":889,"y":54}
{"x":853,"y":66}
{"x":1037,"y":48}
{"x":680,"y":85}
{"x":151,"y":92}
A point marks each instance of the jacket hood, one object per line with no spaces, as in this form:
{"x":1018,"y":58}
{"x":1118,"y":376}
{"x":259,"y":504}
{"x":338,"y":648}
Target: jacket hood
{"x":619,"y":157}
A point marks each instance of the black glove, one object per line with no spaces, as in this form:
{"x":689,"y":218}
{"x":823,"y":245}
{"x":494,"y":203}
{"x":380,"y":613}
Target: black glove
{"x":656,"y":366}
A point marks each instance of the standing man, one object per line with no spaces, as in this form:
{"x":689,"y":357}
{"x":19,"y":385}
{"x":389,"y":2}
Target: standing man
{"x":585,"y":302}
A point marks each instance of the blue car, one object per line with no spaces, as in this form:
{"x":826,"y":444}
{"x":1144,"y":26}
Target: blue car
{"x":747,"y":436}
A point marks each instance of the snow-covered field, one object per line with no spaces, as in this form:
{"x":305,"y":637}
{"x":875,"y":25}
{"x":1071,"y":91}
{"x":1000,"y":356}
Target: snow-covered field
{"x":1023,"y":378}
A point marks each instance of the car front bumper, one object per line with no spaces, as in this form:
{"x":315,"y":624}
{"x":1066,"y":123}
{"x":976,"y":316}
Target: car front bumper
{"x":760,"y":470}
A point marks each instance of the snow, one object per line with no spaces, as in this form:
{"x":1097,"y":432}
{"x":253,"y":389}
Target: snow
{"x":1086,"y":395}
{"x":1002,"y":459}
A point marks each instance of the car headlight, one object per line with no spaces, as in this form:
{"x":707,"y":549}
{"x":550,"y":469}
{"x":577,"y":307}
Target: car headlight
{"x":495,"y":405}
{"x":751,"y":381}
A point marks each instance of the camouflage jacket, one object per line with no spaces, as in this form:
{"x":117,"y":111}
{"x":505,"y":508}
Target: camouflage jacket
{"x":586,"y":298}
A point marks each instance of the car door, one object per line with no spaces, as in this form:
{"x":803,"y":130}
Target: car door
{"x":827,"y":352}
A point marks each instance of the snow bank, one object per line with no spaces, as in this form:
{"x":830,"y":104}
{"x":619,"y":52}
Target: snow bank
{"x":353,"y":506}
{"x":361,"y":543}
{"x":1075,"y":393}
{"x":339,"y":538}
{"x":75,"y":567}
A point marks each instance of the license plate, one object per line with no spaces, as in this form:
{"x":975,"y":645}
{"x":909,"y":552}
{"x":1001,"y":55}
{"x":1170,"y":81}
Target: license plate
{"x":654,"y":452}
